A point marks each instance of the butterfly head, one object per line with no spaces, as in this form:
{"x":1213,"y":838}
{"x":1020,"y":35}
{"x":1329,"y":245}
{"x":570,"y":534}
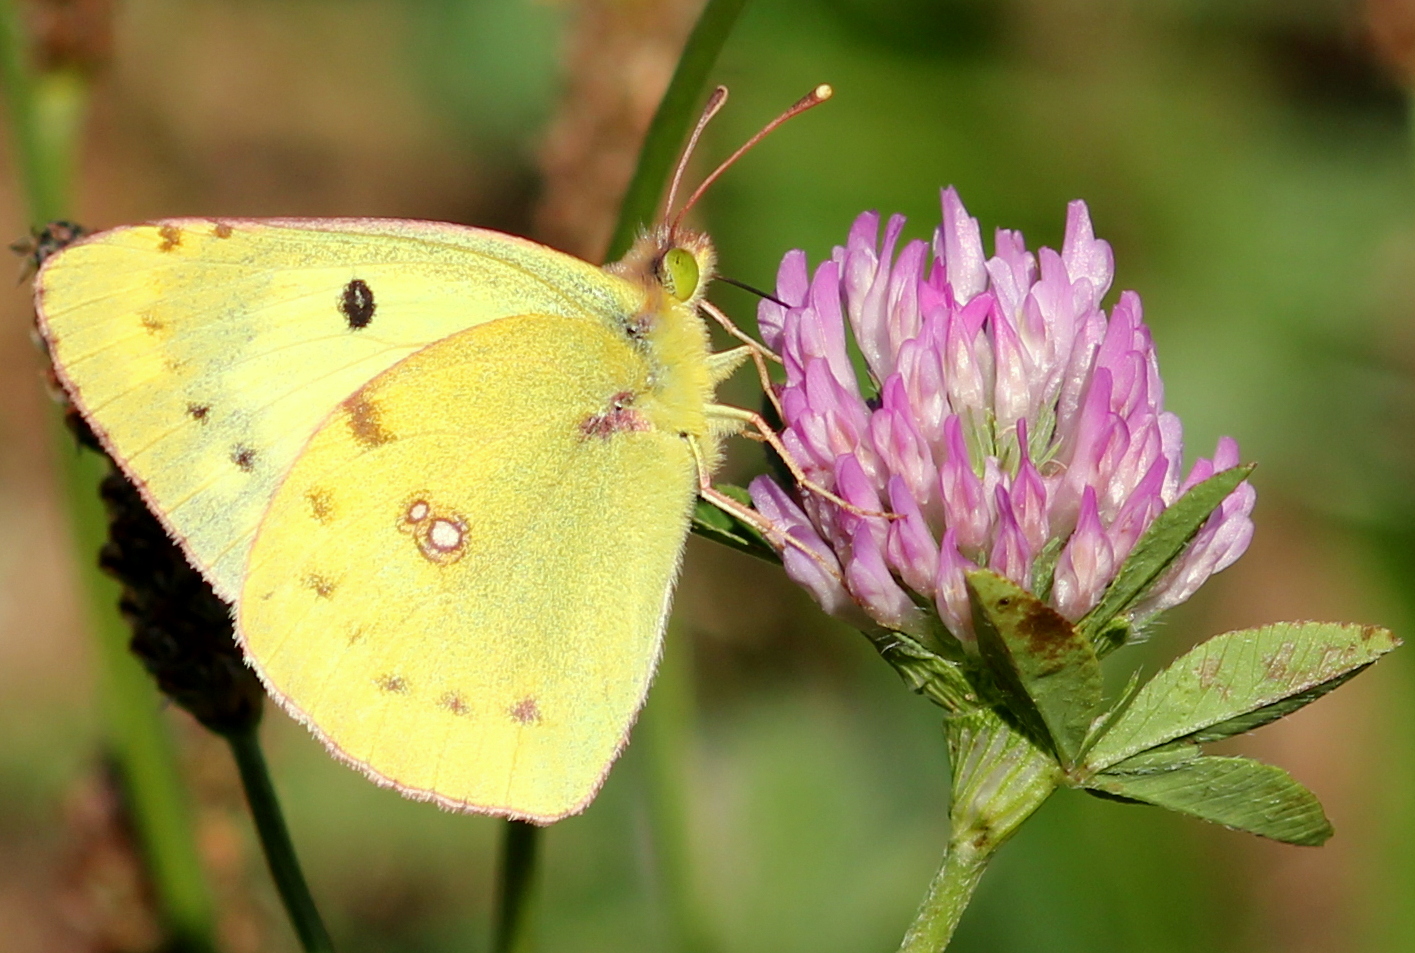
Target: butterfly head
{"x":677,"y":262}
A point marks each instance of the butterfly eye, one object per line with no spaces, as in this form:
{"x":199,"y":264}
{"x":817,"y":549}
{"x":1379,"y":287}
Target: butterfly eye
{"x":678,"y":271}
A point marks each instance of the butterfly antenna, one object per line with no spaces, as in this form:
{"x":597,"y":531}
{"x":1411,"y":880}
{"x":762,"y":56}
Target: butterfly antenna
{"x":756,"y":291}
{"x":714,"y":103}
{"x":816,"y":96}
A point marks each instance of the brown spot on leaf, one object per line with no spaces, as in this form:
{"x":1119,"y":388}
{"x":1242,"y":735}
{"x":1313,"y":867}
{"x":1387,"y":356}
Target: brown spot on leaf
{"x":1046,"y":631}
{"x":1275,"y":666}
{"x":321,"y":501}
{"x":366,"y":421}
{"x":526,"y":711}
{"x":198,"y":412}
{"x":243,"y":457}
{"x":618,"y":417}
{"x":1208,"y":671}
{"x":222,"y":230}
{"x":171,"y":237}
{"x":396,"y":684}
{"x":454,"y":703}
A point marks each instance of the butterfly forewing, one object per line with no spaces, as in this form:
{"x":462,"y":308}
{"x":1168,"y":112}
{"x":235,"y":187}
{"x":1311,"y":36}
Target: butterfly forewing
{"x":206,"y":353}
{"x":461,"y":583}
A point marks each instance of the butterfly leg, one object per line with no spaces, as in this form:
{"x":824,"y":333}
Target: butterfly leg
{"x":760,"y":352}
{"x":764,"y":433}
{"x":768,"y":528}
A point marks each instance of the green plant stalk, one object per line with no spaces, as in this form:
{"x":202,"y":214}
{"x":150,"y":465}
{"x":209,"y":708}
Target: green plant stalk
{"x":672,"y":122}
{"x":520,"y":852}
{"x":45,"y":118}
{"x":999,"y":779}
{"x":666,"y":730}
{"x":275,"y":840}
{"x":46,"y":115}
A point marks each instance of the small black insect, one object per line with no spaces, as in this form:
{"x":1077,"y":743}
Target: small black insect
{"x":357,"y":304}
{"x":43,"y":242}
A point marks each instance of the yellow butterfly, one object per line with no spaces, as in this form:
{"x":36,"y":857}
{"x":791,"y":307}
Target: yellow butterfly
{"x":444,"y":474}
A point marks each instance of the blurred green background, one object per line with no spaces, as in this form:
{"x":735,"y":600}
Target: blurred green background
{"x":1249,"y":160}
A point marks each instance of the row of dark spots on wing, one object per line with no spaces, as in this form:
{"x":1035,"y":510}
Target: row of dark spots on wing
{"x":355,"y":302}
{"x":244,"y":456}
{"x":439,"y":535}
{"x":169,"y":236}
{"x":357,"y":306}
{"x":525,"y":712}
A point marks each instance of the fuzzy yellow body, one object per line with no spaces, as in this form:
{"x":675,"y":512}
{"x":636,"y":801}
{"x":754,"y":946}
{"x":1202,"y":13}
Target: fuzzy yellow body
{"x":444,"y":474}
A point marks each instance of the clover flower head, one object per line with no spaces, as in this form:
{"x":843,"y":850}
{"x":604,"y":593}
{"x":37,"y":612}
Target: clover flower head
{"x":1007,"y":422}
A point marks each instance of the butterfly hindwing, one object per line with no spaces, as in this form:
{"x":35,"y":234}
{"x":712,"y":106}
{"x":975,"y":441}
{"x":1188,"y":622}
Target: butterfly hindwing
{"x":205,"y":352}
{"x":462,"y":581}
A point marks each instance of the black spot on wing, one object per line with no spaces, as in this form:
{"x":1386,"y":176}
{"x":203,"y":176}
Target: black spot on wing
{"x":198,"y":411}
{"x":243,"y":457}
{"x":356,"y":304}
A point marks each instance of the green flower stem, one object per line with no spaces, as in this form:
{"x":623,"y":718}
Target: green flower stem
{"x":275,"y":840}
{"x":948,"y":897}
{"x":672,"y":122}
{"x":520,"y":852}
{"x":669,"y":725}
{"x":666,"y":731}
{"x":999,"y":779}
{"x":45,"y":114}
